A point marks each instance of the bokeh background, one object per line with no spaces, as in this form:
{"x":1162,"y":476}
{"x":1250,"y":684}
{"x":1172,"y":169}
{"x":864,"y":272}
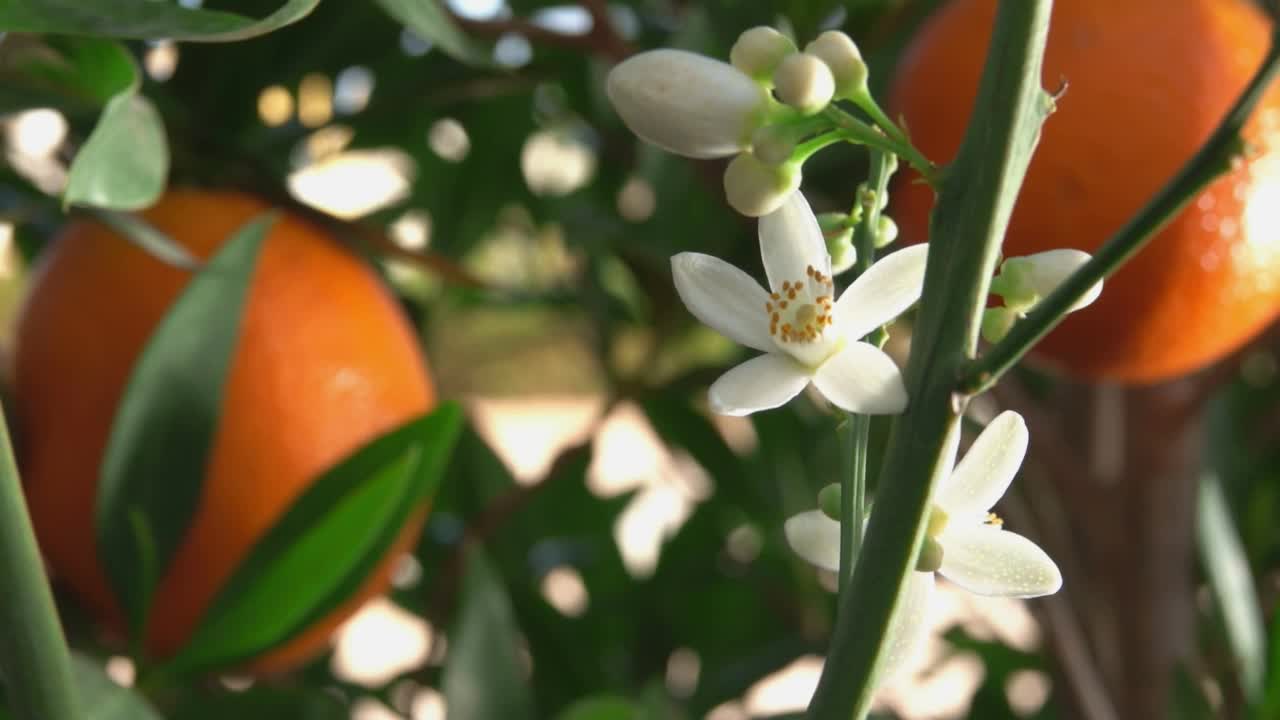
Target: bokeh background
{"x":633,"y":541}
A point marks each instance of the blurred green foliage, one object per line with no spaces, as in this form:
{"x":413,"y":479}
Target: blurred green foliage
{"x":525,"y":290}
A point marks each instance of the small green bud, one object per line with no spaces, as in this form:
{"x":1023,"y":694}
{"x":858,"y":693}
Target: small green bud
{"x":754,"y":188}
{"x":1016,"y":284}
{"x":886,"y":231}
{"x":804,"y":82}
{"x":930,"y":556}
{"x":829,"y":501}
{"x":833,"y":222}
{"x":840,"y":248}
{"x":773,"y":145}
{"x":996,"y":323}
{"x":759,"y":50}
{"x":841,"y":55}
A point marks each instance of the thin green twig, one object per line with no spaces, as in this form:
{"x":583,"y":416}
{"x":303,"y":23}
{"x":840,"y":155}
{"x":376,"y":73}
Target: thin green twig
{"x":860,"y":132}
{"x":1213,"y":160}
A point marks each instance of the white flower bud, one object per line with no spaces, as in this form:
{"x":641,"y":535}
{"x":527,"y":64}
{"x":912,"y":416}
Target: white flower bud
{"x":804,"y":82}
{"x":841,"y":55}
{"x":759,"y":50}
{"x":754,"y":188}
{"x":686,"y":103}
{"x":1028,"y":279}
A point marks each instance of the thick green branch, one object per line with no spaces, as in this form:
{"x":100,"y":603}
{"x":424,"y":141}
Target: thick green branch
{"x":968,"y":226}
{"x":34,"y":662}
{"x":1213,"y":159}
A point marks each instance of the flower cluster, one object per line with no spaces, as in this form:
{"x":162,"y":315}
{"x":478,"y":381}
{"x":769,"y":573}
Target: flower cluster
{"x":695,"y":106}
{"x":757,"y":109}
{"x":964,"y":542}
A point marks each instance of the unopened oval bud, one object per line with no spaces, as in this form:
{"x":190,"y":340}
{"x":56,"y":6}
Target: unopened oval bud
{"x":841,"y":55}
{"x":886,"y":231}
{"x":759,"y":50}
{"x":1045,"y":271}
{"x":804,"y":82}
{"x":754,"y":188}
{"x":772,"y":144}
{"x":686,"y":103}
{"x":829,"y":501}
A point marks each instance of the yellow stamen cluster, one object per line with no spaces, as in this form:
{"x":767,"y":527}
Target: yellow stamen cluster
{"x":808,"y":320}
{"x":994,"y":519}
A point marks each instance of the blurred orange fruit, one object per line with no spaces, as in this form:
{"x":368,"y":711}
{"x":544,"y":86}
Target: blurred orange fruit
{"x":325,"y":362}
{"x":1149,"y":80}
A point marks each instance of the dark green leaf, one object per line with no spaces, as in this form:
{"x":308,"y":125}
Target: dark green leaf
{"x":601,"y":708}
{"x":142,"y":19}
{"x":484,"y":677}
{"x":430,"y":21}
{"x":326,"y":545}
{"x":102,"y":699}
{"x":63,"y":71}
{"x":124,"y":163}
{"x":1227,"y":568}
{"x":155,"y":457}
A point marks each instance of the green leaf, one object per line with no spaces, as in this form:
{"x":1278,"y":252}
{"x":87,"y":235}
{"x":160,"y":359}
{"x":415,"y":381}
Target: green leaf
{"x":326,"y":545}
{"x":484,"y":677}
{"x":64,"y":72}
{"x":607,"y":707}
{"x":102,"y":699}
{"x":155,"y":457}
{"x":430,"y":21}
{"x":1226,"y":565}
{"x":142,"y":19}
{"x":124,"y":163}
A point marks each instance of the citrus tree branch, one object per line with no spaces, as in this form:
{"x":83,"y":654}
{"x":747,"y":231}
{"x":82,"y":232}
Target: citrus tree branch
{"x":34,"y":662}
{"x":968,"y":225}
{"x":1213,"y":160}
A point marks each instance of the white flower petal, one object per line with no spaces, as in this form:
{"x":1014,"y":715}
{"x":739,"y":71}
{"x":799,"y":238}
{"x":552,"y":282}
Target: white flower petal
{"x":758,"y":384}
{"x":1049,"y":269}
{"x":816,"y":538}
{"x":686,"y":103}
{"x":724,"y":298}
{"x":861,"y":378}
{"x":909,"y":626}
{"x":985,"y":472}
{"x":882,"y":293}
{"x":986,"y":560}
{"x":791,"y":241}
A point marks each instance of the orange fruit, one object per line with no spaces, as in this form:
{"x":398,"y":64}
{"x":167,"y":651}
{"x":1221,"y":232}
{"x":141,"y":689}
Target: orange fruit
{"x":325,"y":362}
{"x":1149,"y":80}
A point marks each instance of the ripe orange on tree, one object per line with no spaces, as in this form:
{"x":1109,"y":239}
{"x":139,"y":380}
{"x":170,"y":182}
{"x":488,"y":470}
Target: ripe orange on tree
{"x":325,"y":362}
{"x":1148,"y":81}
